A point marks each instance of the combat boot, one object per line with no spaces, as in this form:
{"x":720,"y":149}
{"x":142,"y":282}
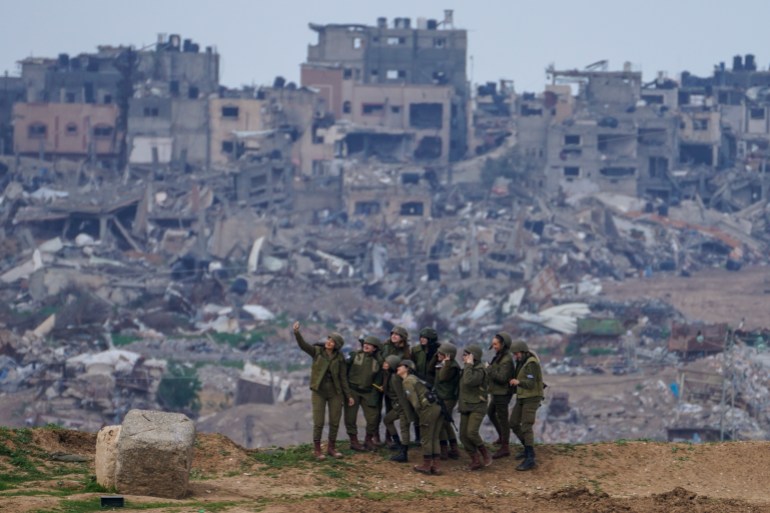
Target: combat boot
{"x":427,"y":464}
{"x":402,"y":456}
{"x":475,"y":461}
{"x":454,"y":451}
{"x":377,"y":440}
{"x":395,"y":444}
{"x":503,"y":452}
{"x":529,"y":459}
{"x":317,"y":452}
{"x":331,"y":449}
{"x":369,"y":443}
{"x":435,"y":466}
{"x":356,"y":445}
{"x":521,"y":454}
{"x":486,"y":457}
{"x":444,"y":450}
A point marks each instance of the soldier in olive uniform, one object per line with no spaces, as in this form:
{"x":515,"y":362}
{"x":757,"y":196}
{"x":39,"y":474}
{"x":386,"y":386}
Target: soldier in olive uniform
{"x":529,"y":396}
{"x":500,"y":372}
{"x":447,"y":387}
{"x":364,"y":376}
{"x":424,"y":355}
{"x":392,"y":393}
{"x":474,"y":388}
{"x":398,"y":344}
{"x":329,"y":386}
{"x":429,"y":413}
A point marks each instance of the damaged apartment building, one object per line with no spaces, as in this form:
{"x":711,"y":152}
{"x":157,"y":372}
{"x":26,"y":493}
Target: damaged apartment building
{"x":397,"y":91}
{"x":119,"y":105}
{"x":596,"y":130}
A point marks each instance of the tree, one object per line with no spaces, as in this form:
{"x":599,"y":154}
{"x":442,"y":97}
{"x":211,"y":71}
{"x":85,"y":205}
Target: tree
{"x":179,"y":387}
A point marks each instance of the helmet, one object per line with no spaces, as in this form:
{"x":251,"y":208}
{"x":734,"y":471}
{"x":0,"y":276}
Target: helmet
{"x":338,"y":340}
{"x":505,"y":337}
{"x":373,"y":341}
{"x":448,"y":349}
{"x":409,"y":364}
{"x":393,"y":361}
{"x":519,"y":347}
{"x":429,"y":333}
{"x":400,"y":330}
{"x":476,"y":351}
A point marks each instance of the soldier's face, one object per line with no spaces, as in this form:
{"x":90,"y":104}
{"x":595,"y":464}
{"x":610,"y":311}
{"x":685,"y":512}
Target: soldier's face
{"x":496,"y":344}
{"x":517,"y":356}
{"x":385,"y":366}
{"x":368,"y":348}
{"x":329,"y":344}
{"x":396,"y":339}
{"x":423,"y":341}
{"x":402,"y":371}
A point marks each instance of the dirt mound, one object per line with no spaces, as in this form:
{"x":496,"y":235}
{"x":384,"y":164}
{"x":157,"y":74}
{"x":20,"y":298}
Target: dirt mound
{"x":635,"y":477}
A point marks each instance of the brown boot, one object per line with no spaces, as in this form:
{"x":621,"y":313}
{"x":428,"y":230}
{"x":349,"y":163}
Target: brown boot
{"x":377,"y":440}
{"x":475,"y":461}
{"x":427,"y":464}
{"x":355,"y":444}
{"x":503,"y":452}
{"x":331,"y":449}
{"x":435,"y":466}
{"x":369,"y":444}
{"x":454,"y":451}
{"x":444,"y":451}
{"x":486,"y":457}
{"x":317,"y":452}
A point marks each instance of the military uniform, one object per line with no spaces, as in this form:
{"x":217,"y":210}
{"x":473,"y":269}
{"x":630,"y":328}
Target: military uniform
{"x":500,"y":372}
{"x":447,"y":389}
{"x":329,"y":386}
{"x":425,"y":356}
{"x":429,"y":414}
{"x":529,"y":396}
{"x":364,"y":372}
{"x":407,"y":415}
{"x":472,"y":404}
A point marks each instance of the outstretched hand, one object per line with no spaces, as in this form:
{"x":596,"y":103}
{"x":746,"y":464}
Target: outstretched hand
{"x":296,"y":326}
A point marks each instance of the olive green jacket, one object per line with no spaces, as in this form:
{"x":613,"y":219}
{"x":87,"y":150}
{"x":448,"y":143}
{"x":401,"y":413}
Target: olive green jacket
{"x":403,"y":403}
{"x":474,"y":389}
{"x":389,"y":348}
{"x":425,"y":367}
{"x":447,"y":384}
{"x":530,"y":377}
{"x":416,"y":393}
{"x":500,"y":372}
{"x":364,"y":370}
{"x":323,"y":363}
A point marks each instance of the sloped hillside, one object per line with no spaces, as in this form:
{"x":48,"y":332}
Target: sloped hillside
{"x":45,"y":470}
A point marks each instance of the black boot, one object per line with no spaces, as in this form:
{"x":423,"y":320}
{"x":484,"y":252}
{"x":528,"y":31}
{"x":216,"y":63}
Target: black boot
{"x":529,"y":459}
{"x":402,"y":456}
{"x":521,"y":454}
{"x":395,"y":444}
{"x":416,"y":440}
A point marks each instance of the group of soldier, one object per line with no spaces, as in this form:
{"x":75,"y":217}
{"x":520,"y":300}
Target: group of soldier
{"x":421,"y":385}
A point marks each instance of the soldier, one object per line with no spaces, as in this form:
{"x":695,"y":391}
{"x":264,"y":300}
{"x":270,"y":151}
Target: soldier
{"x":428,"y":410}
{"x":447,"y":389}
{"x":500,"y":372}
{"x":473,"y":405}
{"x":529,"y":396}
{"x":390,"y":391}
{"x":424,"y":355}
{"x":329,"y":386}
{"x":398,"y":344}
{"x":364,"y":376}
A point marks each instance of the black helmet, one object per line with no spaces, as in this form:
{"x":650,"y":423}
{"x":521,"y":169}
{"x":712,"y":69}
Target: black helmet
{"x":429,"y":333}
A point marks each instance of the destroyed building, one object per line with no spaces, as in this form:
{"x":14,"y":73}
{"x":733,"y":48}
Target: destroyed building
{"x":403,"y":88}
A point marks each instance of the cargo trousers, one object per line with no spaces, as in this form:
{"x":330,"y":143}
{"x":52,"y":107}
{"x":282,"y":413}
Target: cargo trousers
{"x":523,"y":417}
{"x":326,"y":398}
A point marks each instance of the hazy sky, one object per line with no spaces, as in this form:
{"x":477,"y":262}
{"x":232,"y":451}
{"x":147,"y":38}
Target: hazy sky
{"x":512,"y":39}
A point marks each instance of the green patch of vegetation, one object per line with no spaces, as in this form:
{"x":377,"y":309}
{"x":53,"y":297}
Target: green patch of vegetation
{"x":118,"y":339}
{"x":35,"y":493}
{"x":564,"y":448}
{"x":281,"y":458}
{"x":639,"y":387}
{"x":179,"y":387}
{"x":282,"y":365}
{"x":94,"y":504}
{"x":333,"y":494}
{"x":596,"y":485}
{"x":241,"y":340}
{"x":621,"y":442}
{"x":601,"y":351}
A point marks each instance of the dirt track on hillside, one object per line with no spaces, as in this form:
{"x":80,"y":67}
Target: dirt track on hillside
{"x":611,"y":477}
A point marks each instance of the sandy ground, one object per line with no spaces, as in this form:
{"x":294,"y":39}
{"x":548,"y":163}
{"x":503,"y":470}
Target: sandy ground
{"x":609,"y":477}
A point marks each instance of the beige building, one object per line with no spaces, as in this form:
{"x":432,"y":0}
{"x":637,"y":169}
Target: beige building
{"x":232,"y":120}
{"x":65,"y":129}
